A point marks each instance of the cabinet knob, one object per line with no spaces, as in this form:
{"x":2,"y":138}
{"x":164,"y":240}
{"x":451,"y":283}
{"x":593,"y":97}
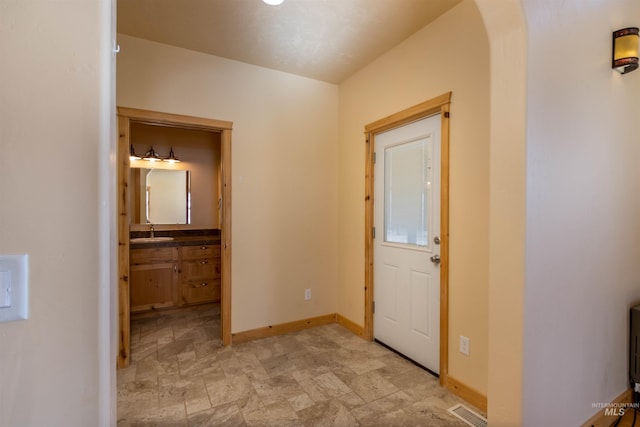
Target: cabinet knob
{"x":204,"y":262}
{"x":203,"y":284}
{"x":203,"y":247}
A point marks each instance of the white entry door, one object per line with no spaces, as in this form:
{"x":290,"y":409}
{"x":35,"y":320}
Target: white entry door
{"x":406,"y":246}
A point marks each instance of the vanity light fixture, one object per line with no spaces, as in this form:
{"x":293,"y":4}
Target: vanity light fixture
{"x":624,"y":58}
{"x":132,"y":154}
{"x":172,"y":157}
{"x":151,"y":155}
{"x":273,"y":2}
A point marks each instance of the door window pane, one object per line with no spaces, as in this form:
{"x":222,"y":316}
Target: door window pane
{"x":407,"y":193}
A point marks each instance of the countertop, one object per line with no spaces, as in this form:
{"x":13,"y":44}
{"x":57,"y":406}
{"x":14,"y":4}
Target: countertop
{"x":180,"y":238}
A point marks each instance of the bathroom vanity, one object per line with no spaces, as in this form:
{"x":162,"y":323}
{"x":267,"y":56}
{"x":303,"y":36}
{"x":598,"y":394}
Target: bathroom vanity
{"x":174,"y":270}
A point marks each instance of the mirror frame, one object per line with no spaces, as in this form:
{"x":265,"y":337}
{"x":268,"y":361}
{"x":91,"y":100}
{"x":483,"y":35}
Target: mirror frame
{"x":127,"y":116}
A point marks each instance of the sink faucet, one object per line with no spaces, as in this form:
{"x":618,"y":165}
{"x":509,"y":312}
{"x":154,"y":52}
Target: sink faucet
{"x":151,"y":232}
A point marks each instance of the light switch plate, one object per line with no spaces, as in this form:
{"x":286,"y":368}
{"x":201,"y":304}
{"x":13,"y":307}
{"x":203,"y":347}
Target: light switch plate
{"x":14,"y":287}
{"x":5,"y":289}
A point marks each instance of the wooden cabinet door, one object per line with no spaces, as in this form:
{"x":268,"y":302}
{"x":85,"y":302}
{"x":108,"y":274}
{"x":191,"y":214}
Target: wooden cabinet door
{"x":153,"y":286}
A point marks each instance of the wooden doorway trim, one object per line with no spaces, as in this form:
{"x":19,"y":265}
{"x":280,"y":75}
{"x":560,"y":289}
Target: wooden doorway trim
{"x":439,"y":105}
{"x":127,"y":116}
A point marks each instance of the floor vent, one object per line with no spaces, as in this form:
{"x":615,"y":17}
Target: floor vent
{"x":468,"y":416}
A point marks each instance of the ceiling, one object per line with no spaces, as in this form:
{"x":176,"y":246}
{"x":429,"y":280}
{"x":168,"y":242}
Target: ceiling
{"x":326,"y":40}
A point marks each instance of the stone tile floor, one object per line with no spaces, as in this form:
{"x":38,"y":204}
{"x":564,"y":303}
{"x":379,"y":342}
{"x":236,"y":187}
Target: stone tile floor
{"x":181,"y":375}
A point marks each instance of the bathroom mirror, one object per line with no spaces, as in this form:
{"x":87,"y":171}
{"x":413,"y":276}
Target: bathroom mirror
{"x":159,"y":196}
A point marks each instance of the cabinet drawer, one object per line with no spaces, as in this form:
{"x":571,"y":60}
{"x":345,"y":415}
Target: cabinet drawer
{"x":201,"y":291}
{"x":201,"y":269}
{"x":203,"y":251}
{"x":153,"y":255}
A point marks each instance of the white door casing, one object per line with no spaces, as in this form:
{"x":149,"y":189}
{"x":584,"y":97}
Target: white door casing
{"x":406,"y":249}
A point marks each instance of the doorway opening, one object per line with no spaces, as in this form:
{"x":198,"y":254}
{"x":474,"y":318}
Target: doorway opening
{"x":436,"y":106}
{"x":198,"y":263}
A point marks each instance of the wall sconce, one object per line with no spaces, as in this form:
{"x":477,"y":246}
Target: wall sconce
{"x":151,"y":155}
{"x":625,"y":50}
{"x":132,"y":154}
{"x":172,"y":157}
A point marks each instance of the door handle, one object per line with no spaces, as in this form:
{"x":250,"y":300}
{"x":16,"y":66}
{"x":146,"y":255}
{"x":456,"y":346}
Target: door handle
{"x":435,"y":259}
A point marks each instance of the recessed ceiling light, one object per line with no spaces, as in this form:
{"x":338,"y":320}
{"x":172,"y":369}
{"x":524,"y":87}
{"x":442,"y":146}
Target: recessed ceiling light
{"x":273,"y":2}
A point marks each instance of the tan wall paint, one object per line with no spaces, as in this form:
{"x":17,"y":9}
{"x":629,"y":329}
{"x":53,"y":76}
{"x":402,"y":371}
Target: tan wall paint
{"x":199,"y":153}
{"x":284,"y":170}
{"x":505,"y":25}
{"x":451,"y":54}
{"x":55,"y":134}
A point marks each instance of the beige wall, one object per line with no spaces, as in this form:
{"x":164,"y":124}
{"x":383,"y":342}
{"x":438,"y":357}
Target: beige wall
{"x":583,"y":210}
{"x":451,"y":54}
{"x":199,"y":153}
{"x":284,"y":170}
{"x":505,"y":24}
{"x":55,"y":134}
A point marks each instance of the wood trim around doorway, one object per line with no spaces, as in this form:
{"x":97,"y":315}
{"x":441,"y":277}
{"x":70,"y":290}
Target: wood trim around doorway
{"x":126,"y":116}
{"x":439,"y":105}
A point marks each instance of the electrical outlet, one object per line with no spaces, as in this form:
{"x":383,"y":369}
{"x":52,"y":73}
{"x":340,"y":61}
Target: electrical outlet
{"x":464,"y":345}
{"x":307,"y":294}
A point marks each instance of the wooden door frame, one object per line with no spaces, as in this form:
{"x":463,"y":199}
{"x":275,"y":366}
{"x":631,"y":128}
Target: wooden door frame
{"x":127,"y":116}
{"x":438,"y":105}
